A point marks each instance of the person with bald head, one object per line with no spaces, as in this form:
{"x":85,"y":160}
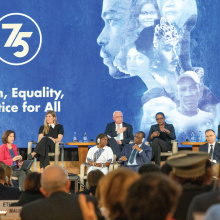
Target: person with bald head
{"x":58,"y":204}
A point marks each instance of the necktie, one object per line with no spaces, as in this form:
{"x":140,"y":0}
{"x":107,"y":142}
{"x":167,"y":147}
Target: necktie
{"x":211,"y":151}
{"x":133,"y":155}
{"x":118,"y":135}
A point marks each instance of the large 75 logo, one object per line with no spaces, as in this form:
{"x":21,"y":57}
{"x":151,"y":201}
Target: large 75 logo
{"x":21,"y":37}
{"x":15,"y":39}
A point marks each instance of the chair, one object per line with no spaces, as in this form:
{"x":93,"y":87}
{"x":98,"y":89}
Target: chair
{"x":84,"y":166}
{"x":168,"y":153}
{"x":55,"y":154}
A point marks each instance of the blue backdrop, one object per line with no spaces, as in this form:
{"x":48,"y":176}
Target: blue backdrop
{"x":69,"y":60}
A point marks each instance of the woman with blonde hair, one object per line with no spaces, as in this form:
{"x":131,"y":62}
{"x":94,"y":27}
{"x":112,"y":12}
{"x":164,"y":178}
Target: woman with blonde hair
{"x":49,"y":134}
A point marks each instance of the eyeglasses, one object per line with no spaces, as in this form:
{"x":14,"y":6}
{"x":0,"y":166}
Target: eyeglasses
{"x":159,"y":119}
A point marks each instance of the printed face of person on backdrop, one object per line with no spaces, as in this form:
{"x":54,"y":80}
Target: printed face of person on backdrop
{"x":189,"y":93}
{"x":117,"y":18}
{"x":171,"y":9}
{"x":137,"y":63}
{"x":167,"y":56}
{"x":148,"y":15}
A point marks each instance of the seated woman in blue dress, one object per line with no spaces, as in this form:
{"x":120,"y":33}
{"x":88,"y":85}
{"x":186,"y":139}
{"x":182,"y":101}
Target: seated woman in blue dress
{"x":49,"y":134}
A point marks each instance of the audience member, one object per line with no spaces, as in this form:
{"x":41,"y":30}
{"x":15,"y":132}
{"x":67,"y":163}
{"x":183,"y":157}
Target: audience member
{"x":31,"y":190}
{"x":7,"y":192}
{"x":212,"y":147}
{"x":119,"y":133}
{"x":213,"y":213}
{"x":58,"y":204}
{"x":160,"y":135}
{"x":152,"y":197}
{"x":93,"y":178}
{"x":166,"y":169}
{"x":136,"y":154}
{"x":49,"y":134}
{"x":194,"y":172}
{"x":9,"y":155}
{"x":149,"y":168}
{"x":112,"y":190}
{"x":100,"y":156}
{"x":201,"y":203}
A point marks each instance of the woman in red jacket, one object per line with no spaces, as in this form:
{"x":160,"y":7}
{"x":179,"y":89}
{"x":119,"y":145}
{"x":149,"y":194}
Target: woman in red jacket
{"x":9,"y":155}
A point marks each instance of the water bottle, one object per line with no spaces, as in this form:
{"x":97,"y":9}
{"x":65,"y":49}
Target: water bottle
{"x":85,"y":137}
{"x":192,"y":137}
{"x":74,"y":137}
{"x":200,"y":137}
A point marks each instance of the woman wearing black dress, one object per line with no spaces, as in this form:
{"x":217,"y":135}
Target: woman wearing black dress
{"x":49,"y":134}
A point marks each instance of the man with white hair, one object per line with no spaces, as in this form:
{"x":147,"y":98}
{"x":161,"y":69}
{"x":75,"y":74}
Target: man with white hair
{"x":119,"y":133}
{"x":58,"y":204}
{"x":188,"y":118}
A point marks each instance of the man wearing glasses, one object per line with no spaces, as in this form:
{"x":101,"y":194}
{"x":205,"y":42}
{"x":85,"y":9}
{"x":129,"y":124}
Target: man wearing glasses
{"x":119,"y":133}
{"x":160,"y":135}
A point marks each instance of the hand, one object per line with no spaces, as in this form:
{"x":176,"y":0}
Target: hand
{"x":123,"y":158}
{"x":155,"y":134}
{"x":137,"y":147}
{"x":18,"y":157}
{"x":87,"y":208}
{"x":53,"y":139}
{"x":121,"y":130}
{"x":119,"y":141}
{"x":165,"y":130}
{"x":97,"y":164}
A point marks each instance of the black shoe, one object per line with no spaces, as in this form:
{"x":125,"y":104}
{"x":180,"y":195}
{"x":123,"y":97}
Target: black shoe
{"x":29,"y":157}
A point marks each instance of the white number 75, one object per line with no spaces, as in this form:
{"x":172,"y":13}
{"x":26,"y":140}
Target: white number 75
{"x":17,"y":36}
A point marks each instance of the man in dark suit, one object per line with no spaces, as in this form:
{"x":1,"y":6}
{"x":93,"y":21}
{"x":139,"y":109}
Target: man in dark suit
{"x":7,"y":192}
{"x":212,"y":147}
{"x":119,"y":133}
{"x":160,"y":135}
{"x":58,"y":204}
{"x":137,"y":154}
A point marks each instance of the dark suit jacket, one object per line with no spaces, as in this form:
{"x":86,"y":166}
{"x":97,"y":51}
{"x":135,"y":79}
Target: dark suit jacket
{"x":168,"y":138}
{"x":9,"y":193}
{"x":128,"y":134}
{"x":141,"y":158}
{"x":216,"y":153}
{"x":59,"y":205}
{"x":202,"y":202}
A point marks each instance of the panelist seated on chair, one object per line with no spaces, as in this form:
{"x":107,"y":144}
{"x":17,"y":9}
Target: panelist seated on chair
{"x":160,"y":135}
{"x":136,"y":154}
{"x":49,"y":134}
{"x":119,"y":133}
{"x":212,"y":147}
{"x":100,"y":156}
{"x":9,"y":155}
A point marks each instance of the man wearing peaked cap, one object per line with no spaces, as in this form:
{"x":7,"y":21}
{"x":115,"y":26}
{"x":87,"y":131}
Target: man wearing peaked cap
{"x":193,"y":171}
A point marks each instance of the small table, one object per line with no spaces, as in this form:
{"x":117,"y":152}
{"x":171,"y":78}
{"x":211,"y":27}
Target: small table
{"x":82,"y":149}
{"x":195,"y":145}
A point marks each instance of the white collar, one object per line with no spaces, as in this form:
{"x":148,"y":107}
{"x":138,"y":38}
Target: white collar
{"x":52,"y":125}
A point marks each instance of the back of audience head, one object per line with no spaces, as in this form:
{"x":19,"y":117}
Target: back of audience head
{"x":32,"y":182}
{"x":191,"y":167}
{"x":2,"y":175}
{"x":147,"y":168}
{"x":93,"y":177}
{"x":8,"y":174}
{"x":54,"y":179}
{"x":111,"y":192}
{"x":153,"y":196}
{"x":166,"y":169}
